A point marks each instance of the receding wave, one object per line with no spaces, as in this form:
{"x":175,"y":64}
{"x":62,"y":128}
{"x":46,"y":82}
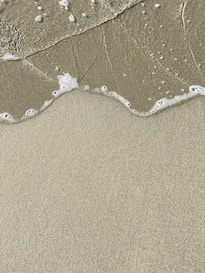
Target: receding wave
{"x":146,"y":54}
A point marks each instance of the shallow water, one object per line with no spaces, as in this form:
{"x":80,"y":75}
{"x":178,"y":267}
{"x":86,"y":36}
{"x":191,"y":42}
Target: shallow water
{"x":145,"y":55}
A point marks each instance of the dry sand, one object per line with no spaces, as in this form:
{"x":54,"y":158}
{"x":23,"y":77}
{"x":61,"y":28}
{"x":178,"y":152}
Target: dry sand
{"x":88,"y":187}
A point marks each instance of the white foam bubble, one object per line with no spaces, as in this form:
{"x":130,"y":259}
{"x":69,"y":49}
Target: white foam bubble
{"x":57,"y":93}
{"x":39,"y":18}
{"x":10,"y":57}
{"x":197,"y":89}
{"x":67,"y":83}
{"x":46,"y":104}
{"x":64,"y":4}
{"x":31,"y":112}
{"x":39,"y":8}
{"x":6,"y":117}
{"x":157,"y":6}
{"x":71,"y":18}
{"x":124,"y":101}
{"x":86,"y":88}
{"x":104,"y":88}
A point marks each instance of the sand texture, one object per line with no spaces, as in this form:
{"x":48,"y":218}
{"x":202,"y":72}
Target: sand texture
{"x":88,"y":187}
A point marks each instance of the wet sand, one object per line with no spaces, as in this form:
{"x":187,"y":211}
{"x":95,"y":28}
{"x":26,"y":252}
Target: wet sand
{"x":88,"y":187}
{"x":128,"y":47}
{"x":25,"y":36}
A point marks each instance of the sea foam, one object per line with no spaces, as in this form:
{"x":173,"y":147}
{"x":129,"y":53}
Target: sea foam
{"x":68,"y":83}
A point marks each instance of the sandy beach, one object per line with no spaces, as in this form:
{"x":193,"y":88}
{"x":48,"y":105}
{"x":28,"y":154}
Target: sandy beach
{"x":88,"y":187}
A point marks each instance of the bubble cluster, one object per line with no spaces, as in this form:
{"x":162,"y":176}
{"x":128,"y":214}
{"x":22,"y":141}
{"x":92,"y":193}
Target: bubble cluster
{"x":6,"y":117}
{"x":31,"y":112}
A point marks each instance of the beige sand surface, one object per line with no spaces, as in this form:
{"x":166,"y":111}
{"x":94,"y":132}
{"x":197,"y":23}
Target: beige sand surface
{"x":87,"y":187}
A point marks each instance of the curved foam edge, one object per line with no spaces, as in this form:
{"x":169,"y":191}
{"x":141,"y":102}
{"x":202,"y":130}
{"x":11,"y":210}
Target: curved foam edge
{"x":163,"y":103}
{"x":67,"y":83}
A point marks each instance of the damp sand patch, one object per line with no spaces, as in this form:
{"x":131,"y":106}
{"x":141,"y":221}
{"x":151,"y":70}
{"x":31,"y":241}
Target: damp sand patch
{"x":134,"y":58}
